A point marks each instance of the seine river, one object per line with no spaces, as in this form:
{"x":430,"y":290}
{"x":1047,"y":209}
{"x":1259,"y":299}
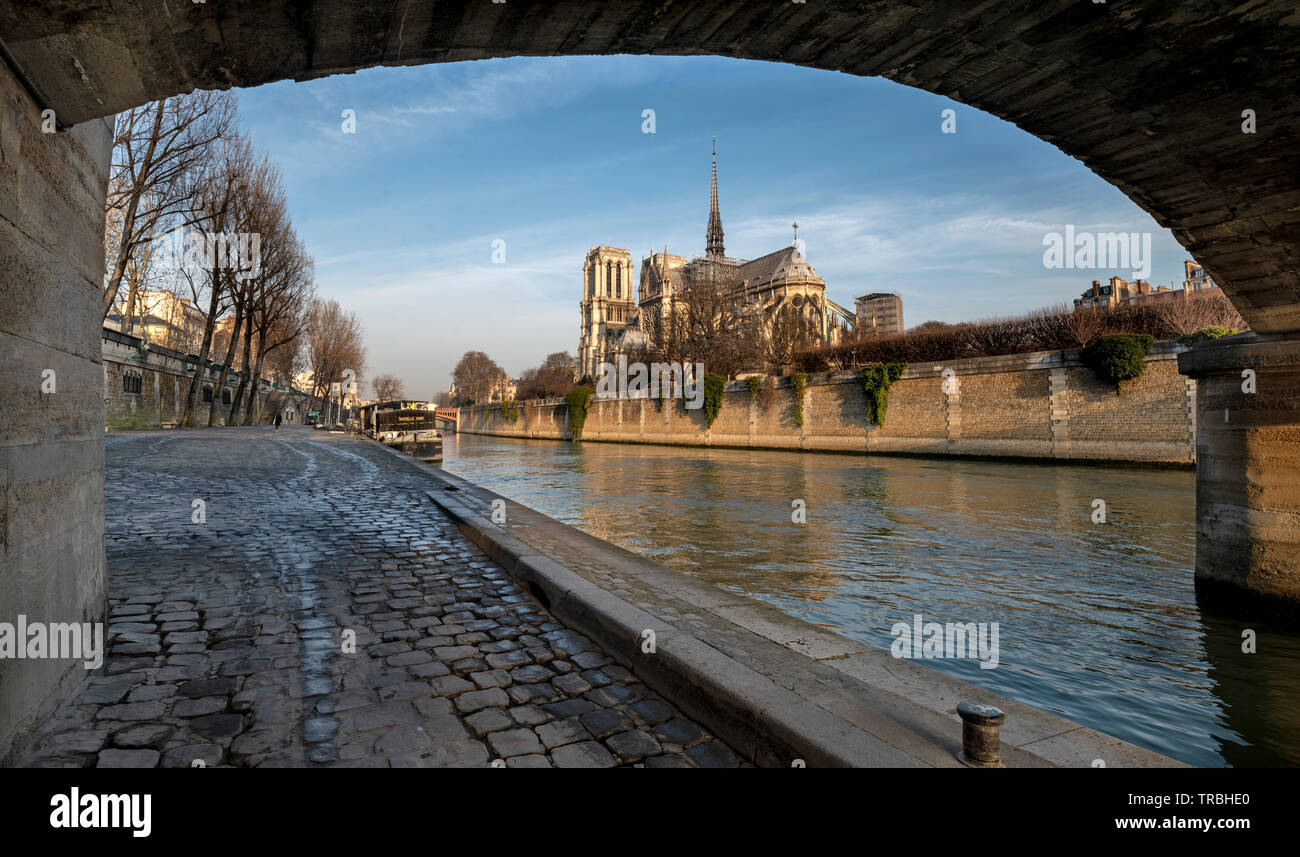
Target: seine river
{"x":1099,"y":623}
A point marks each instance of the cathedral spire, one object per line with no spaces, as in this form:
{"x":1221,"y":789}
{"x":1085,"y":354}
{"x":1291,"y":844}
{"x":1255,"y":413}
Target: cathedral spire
{"x":713,"y":241}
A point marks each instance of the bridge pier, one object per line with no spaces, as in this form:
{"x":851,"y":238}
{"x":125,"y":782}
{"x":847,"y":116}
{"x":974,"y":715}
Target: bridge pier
{"x":1248,"y":469}
{"x":52,"y":189}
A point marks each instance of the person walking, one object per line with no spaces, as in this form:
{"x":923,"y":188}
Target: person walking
{"x":277,"y":420}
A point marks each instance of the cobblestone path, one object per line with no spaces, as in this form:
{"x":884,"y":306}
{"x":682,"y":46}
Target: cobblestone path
{"x":228,"y":637}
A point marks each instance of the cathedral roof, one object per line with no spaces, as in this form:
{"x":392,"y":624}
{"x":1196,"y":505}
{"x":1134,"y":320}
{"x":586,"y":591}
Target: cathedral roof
{"x":784,"y":264}
{"x":633,"y":338}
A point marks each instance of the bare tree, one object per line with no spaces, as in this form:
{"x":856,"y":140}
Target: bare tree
{"x":387,"y":387}
{"x":555,"y":377}
{"x":158,"y":154}
{"x":334,"y":343}
{"x":218,"y":207}
{"x":280,"y":319}
{"x":788,"y":331}
{"x":709,"y":323}
{"x":1188,"y":313}
{"x":476,"y":376}
{"x":139,"y":272}
{"x":1084,"y":325}
{"x":275,"y":300}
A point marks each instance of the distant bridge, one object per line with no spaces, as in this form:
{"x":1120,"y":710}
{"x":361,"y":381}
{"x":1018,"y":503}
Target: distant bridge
{"x":447,"y":417}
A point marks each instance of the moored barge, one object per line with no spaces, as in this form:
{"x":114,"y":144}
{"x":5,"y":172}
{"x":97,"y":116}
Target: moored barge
{"x":406,"y":425}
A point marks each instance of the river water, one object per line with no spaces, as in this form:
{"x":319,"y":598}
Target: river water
{"x":1098,"y":622}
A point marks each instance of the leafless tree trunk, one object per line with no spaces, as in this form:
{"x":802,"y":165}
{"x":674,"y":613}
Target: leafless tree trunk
{"x":225,"y":364}
{"x":219,"y":197}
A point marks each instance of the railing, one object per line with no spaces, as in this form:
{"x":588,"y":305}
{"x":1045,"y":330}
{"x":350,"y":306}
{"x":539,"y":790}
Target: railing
{"x":122,"y":338}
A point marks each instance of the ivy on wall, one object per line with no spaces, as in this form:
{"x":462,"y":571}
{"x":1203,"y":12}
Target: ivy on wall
{"x":579,"y":400}
{"x":1118,"y":357}
{"x":800,"y":381}
{"x":875,"y":381}
{"x":755,"y":385}
{"x":713,"y":387}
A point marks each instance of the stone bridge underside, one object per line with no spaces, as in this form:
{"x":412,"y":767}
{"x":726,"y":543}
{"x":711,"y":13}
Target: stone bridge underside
{"x":1148,"y":94}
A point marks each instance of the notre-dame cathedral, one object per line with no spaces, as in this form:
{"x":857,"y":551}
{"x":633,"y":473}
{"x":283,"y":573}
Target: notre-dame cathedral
{"x":614,"y":321}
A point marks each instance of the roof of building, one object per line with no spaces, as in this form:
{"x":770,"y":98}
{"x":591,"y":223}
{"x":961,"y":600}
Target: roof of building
{"x":784,"y":264}
{"x":633,"y":338}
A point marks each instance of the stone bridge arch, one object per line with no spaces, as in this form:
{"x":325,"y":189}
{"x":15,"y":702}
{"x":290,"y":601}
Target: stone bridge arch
{"x":1150,"y":95}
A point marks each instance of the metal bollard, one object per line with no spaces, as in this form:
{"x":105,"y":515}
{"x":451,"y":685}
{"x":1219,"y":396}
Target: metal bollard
{"x":981,"y":746}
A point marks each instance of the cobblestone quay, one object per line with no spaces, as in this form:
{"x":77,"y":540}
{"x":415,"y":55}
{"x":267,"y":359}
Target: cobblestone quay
{"x":227,"y":640}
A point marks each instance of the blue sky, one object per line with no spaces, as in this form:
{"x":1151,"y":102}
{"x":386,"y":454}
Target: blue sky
{"x":548,"y":155}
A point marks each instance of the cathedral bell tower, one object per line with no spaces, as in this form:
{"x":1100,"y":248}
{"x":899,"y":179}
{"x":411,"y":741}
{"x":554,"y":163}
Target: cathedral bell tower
{"x":607,"y":306}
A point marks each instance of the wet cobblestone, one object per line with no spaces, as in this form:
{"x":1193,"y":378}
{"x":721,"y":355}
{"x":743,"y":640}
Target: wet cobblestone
{"x":322,"y":612}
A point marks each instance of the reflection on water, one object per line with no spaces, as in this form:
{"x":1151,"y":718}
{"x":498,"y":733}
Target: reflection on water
{"x":1098,"y":622}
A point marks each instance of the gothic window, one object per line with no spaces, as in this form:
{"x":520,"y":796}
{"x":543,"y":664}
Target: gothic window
{"x":609,"y":271}
{"x":225,"y":395}
{"x":618,"y":282}
{"x":132,"y":382}
{"x":207,"y":392}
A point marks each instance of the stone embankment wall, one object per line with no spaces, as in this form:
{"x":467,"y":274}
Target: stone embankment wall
{"x":144,"y":388}
{"x":1045,"y":405}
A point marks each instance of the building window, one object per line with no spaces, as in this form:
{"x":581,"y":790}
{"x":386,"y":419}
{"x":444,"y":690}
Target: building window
{"x":225,"y":395}
{"x":618,"y":282}
{"x":207,"y":392}
{"x":609,"y":276}
{"x":132,"y":382}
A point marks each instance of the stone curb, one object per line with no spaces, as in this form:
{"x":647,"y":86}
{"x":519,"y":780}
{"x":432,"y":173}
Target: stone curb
{"x":724,"y":695}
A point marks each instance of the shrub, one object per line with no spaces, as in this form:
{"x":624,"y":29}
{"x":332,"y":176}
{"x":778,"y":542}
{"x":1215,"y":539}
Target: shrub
{"x":713,"y":387}
{"x":1213,"y":332}
{"x":755,"y":384}
{"x":1118,"y":357}
{"x":579,"y":400}
{"x":875,"y":381}
{"x":800,"y":381}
